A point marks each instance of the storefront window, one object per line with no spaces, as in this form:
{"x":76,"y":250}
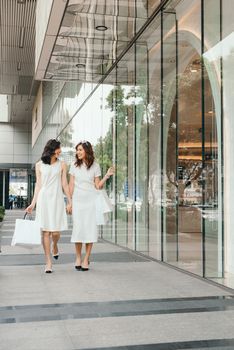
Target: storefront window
{"x":158,"y":117}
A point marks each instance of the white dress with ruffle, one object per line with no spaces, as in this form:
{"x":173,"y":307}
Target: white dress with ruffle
{"x":88,"y":204}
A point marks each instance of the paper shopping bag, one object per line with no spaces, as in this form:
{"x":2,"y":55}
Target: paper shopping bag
{"x":103,"y":207}
{"x":27,"y":232}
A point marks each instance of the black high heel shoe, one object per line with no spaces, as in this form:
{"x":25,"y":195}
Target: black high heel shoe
{"x":84,"y":268}
{"x":78,"y":267}
{"x":55,"y":256}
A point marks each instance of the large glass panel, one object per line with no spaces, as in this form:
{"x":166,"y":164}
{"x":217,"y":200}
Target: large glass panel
{"x":148,"y":141}
{"x":130,"y":188}
{"x":182,"y":124}
{"x":124,"y":116}
{"x":105,"y":151}
{"x":153,"y":38}
{"x":225,"y":50}
{"x":212,"y":148}
{"x":121,"y":166}
{"x":190,"y":190}
{"x":141,"y":148}
{"x":169,"y":124}
{"x":190,"y":163}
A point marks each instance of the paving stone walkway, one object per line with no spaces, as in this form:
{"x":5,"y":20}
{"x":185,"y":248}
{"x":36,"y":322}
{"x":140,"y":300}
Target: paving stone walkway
{"x":125,"y":301}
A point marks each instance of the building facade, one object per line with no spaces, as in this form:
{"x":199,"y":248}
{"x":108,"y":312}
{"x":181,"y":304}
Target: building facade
{"x":150,"y":85}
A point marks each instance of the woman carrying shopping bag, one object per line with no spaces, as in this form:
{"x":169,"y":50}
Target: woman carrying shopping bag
{"x":84,"y":182}
{"x":51,"y":181}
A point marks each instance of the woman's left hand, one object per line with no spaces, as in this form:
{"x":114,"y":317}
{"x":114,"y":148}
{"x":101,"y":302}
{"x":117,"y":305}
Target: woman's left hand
{"x":69,"y":208}
{"x":110,"y":171}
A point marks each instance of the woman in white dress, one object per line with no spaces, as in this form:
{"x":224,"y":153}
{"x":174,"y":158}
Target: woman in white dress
{"x":51,"y":181}
{"x":84,"y":182}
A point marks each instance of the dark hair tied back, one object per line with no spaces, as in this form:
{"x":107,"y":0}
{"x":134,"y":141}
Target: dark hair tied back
{"x":49,"y":150}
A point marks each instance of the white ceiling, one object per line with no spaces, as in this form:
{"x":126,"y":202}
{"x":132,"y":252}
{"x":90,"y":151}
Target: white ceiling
{"x":17,"y":52}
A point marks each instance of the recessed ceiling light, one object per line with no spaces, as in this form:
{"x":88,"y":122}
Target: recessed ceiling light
{"x":196,"y":62}
{"x":22,"y":34}
{"x":101,"y":28}
{"x":80,"y":65}
{"x":172,"y":60}
{"x":14,"y":89}
{"x":210,"y":112}
{"x":193,"y":70}
{"x":21,"y":1}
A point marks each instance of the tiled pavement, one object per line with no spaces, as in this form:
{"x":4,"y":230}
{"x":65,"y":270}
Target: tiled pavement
{"x":125,"y":301}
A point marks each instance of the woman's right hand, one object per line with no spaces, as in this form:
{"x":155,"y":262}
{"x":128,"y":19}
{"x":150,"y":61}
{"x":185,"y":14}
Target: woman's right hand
{"x":29,"y":209}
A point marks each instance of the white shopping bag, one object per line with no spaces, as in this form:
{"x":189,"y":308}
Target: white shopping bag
{"x":103,"y":207}
{"x":27,"y":232}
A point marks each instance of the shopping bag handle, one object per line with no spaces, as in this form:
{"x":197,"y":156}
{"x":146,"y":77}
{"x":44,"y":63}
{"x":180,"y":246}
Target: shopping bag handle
{"x":25,"y":215}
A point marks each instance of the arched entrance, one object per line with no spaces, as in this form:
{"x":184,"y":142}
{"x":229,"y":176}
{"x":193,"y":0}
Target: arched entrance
{"x":191,"y":152}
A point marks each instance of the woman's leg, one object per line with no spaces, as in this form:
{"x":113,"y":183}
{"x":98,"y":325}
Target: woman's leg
{"x":55,"y":239}
{"x":78,"y":253}
{"x":46,"y":246}
{"x":88,"y":247}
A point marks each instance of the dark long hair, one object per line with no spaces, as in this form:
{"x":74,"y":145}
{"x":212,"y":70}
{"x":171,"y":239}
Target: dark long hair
{"x":89,"y":156}
{"x":49,"y":150}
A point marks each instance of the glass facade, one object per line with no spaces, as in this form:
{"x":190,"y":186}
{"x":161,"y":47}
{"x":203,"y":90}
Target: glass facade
{"x":163,"y":117}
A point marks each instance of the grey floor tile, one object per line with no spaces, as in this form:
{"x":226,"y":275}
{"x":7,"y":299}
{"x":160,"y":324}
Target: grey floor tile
{"x":106,"y":257}
{"x":150,"y":329}
{"x":45,"y":312}
{"x":39,"y":336}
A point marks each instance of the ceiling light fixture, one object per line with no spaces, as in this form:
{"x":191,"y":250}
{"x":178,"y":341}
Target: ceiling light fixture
{"x":21,"y":1}
{"x":80,"y":65}
{"x":101,"y":28}
{"x":172,"y":60}
{"x":14,"y":89}
{"x":22,"y":35}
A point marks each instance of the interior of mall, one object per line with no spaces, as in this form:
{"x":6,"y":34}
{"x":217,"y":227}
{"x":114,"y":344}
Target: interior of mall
{"x":150,"y":85}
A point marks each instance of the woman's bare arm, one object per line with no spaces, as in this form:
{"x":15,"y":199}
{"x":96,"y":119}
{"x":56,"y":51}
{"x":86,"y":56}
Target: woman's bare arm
{"x":99,"y":183}
{"x":30,"y":208}
{"x":71,"y":184}
{"x":65,"y":186}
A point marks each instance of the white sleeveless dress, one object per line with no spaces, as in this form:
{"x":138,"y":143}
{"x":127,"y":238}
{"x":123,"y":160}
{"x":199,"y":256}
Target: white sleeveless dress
{"x":51,"y":208}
